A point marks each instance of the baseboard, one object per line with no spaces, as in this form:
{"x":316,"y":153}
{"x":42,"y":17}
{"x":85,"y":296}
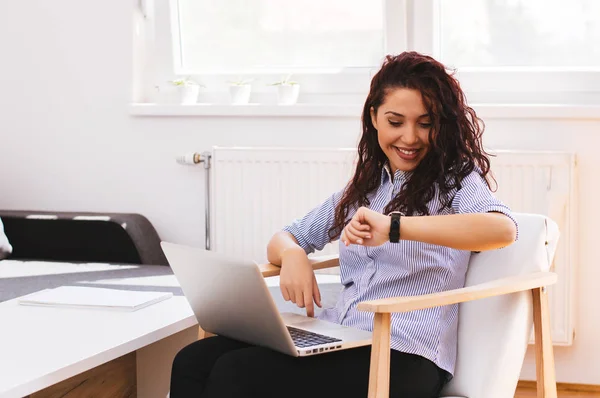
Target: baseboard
{"x":565,"y":387}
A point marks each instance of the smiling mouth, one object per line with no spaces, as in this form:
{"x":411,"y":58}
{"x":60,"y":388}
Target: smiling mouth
{"x":407,"y":154}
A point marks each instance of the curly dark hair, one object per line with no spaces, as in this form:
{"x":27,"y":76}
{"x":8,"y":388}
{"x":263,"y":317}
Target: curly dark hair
{"x":455,"y":146}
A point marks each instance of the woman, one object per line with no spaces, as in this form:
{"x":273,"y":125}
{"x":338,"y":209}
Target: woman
{"x":420,"y":159}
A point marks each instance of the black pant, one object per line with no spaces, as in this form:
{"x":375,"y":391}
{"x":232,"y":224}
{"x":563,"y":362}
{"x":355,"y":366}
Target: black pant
{"x":225,"y":368}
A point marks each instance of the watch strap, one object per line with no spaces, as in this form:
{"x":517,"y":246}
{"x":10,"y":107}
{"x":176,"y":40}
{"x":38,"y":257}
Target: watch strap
{"x":395,"y":226}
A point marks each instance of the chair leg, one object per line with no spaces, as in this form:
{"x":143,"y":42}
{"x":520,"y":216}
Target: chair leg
{"x":379,"y":373}
{"x":203,"y":334}
{"x":544,"y":355}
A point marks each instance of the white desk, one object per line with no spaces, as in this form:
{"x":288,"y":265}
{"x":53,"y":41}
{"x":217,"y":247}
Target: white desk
{"x":42,"y":346}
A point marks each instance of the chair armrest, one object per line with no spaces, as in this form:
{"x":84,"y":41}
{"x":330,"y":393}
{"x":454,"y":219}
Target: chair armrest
{"x":320,"y":262}
{"x":496,"y":287}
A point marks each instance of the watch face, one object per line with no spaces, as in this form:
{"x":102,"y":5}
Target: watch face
{"x":395,"y":223}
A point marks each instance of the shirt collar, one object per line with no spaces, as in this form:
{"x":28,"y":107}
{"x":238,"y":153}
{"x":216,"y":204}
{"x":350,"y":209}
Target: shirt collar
{"x":399,"y":175}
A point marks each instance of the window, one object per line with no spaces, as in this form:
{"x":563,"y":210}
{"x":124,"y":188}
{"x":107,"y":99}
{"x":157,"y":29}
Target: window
{"x":520,"y":33}
{"x":331,"y":47}
{"x":240,"y":36}
{"x":505,"y":51}
{"x":521,"y":51}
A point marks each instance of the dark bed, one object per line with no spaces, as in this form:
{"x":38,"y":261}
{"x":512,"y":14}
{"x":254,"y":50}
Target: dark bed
{"x":118,"y":244}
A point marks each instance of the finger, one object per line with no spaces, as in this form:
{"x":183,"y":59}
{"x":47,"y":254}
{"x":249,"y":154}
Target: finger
{"x":316,"y":292}
{"x":308,"y":302}
{"x":343,"y":237}
{"x":361,"y":215}
{"x":351,"y":238}
{"x":358,"y":233}
{"x":299,"y":298}
{"x":358,"y":226}
{"x":284,"y":293}
{"x":292,"y":294}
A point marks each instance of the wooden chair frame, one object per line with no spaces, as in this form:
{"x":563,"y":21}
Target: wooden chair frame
{"x":379,"y":374}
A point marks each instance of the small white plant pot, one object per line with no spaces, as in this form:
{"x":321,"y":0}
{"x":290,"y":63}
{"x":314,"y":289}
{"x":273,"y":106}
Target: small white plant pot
{"x":189,"y":94}
{"x":287,"y":94}
{"x":240,"y":94}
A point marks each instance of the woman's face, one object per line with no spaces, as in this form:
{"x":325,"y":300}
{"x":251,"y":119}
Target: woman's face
{"x":403,"y":125}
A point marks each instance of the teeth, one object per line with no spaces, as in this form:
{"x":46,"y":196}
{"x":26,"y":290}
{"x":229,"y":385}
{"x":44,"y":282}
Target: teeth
{"x":406,"y":152}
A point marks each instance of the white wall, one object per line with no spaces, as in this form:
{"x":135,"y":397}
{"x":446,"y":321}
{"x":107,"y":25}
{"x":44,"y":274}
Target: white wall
{"x":67,"y":142}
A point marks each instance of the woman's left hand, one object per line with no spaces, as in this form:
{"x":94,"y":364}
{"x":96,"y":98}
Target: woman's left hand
{"x":368,"y":228}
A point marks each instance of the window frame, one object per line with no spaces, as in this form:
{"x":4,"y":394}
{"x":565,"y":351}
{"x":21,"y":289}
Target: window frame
{"x":158,"y":47}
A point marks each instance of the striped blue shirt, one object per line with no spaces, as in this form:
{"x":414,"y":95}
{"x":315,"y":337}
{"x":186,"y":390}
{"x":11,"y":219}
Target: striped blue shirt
{"x":407,"y":268}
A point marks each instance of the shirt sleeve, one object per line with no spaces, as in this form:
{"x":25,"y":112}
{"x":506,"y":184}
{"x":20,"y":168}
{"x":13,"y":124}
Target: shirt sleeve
{"x":312,"y":230}
{"x":474,"y":196}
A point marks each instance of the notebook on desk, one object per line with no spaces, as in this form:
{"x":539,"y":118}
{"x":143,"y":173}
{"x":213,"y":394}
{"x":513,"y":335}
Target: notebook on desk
{"x":94,"y":297}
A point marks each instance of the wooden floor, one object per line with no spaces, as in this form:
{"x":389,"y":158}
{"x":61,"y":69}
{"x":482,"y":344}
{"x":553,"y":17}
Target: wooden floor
{"x":527,"y":390}
{"x":561,"y":394}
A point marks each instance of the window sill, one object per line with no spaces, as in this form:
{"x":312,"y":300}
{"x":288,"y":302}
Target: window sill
{"x":315,"y":110}
{"x":485,"y":111}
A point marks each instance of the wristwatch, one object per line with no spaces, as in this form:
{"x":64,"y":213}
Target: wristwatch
{"x":395,"y":226}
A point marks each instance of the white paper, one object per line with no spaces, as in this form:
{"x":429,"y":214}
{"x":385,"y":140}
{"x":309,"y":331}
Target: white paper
{"x":94,"y":297}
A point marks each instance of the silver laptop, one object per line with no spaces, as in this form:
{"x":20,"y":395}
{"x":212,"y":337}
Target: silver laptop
{"x":230,"y":298}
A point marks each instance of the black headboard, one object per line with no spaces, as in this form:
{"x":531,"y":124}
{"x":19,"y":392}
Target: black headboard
{"x":82,"y":237}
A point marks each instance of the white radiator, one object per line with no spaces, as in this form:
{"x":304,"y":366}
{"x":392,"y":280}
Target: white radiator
{"x":256,"y":191}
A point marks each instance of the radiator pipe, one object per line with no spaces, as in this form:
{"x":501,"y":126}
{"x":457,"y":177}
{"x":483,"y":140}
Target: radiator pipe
{"x":193,"y":159}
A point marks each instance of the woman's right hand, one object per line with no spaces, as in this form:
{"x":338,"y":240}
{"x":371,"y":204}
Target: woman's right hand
{"x":297,"y":280}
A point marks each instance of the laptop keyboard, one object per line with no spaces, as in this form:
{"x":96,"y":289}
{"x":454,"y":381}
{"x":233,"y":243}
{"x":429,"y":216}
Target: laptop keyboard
{"x":303,"y":338}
